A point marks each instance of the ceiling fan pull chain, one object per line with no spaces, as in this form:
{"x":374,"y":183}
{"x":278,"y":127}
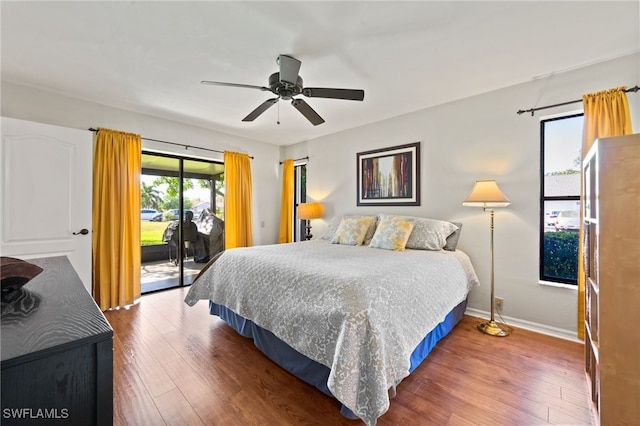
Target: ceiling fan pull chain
{"x":278,"y":114}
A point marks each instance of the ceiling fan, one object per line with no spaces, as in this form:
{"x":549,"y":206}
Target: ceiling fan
{"x":286,"y":84}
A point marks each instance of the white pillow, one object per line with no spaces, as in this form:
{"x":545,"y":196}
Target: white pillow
{"x":331,"y":228}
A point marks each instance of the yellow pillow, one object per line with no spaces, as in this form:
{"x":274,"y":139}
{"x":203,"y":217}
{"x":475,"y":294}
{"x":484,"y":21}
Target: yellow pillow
{"x":352,"y":230}
{"x":392,"y":234}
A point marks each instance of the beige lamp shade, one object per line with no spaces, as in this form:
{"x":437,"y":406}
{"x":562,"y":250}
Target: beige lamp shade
{"x":485,"y":194}
{"x":308,"y":211}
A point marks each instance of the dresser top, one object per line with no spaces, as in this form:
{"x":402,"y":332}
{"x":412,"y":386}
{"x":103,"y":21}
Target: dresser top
{"x":55,"y":311}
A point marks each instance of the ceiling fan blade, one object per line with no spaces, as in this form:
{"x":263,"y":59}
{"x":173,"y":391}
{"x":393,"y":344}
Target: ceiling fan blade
{"x":246,"y":86}
{"x":322,"y":92}
{"x":262,"y":108}
{"x":289,"y":68}
{"x":307,"y":111}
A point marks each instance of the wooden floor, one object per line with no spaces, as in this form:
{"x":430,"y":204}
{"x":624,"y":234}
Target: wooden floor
{"x":177,"y":365}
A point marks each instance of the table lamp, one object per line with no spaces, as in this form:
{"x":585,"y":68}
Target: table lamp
{"x":308,"y":211}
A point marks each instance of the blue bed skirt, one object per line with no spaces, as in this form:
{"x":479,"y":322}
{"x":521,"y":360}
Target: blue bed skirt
{"x":311,"y":371}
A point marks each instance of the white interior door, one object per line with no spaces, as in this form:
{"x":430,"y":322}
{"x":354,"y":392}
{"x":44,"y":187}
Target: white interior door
{"x":46,"y":184}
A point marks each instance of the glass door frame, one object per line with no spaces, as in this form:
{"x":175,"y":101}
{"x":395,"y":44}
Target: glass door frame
{"x":181,"y":175}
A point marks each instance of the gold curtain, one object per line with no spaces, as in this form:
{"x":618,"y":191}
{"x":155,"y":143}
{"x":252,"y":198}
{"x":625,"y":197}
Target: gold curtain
{"x":606,"y":114}
{"x":116,"y":218}
{"x":237,"y":200}
{"x":286,"y":203}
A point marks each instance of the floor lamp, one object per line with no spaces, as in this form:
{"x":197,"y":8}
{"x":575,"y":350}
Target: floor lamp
{"x":308,"y":211}
{"x":487,"y":195}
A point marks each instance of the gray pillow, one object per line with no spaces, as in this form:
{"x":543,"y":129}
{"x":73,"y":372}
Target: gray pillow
{"x":452,"y":240}
{"x":427,"y":234}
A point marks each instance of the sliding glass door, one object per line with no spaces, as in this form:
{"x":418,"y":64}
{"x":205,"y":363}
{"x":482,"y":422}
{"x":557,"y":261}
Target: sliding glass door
{"x":182,"y":216}
{"x":203,"y":213}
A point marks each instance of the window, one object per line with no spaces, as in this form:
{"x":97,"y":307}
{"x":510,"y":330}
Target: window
{"x":561,"y":145}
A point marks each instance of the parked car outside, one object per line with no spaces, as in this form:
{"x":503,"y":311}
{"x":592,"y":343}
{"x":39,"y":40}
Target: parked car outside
{"x":551,"y":217}
{"x":173,"y":214}
{"x":151,"y":215}
{"x":567,"y":220}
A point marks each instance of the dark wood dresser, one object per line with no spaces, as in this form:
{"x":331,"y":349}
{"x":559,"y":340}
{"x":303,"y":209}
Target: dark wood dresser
{"x":57,"y":352}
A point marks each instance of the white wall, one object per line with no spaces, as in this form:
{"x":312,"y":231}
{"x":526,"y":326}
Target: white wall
{"x":480,"y":137}
{"x":45,"y":107}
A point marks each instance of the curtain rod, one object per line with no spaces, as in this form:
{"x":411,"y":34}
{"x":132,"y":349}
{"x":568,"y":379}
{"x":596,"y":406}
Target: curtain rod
{"x":532,"y":110}
{"x":298,"y":159}
{"x":175,"y":143}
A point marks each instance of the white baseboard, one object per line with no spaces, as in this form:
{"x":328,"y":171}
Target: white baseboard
{"x":528,"y":325}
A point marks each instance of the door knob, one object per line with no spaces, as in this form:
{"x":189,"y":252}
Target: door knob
{"x":83,"y":231}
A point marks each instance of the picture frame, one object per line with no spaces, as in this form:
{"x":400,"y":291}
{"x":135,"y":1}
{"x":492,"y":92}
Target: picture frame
{"x":389,"y":176}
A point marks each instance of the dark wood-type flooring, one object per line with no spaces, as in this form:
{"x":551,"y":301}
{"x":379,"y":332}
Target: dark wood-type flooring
{"x":178,"y":365}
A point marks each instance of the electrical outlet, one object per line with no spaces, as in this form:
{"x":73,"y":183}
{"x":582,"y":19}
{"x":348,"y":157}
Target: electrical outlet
{"x":499,"y":303}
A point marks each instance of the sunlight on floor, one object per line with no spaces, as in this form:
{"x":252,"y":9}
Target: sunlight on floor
{"x":165,"y":274}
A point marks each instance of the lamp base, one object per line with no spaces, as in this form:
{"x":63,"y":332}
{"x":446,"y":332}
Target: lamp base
{"x":493,"y":328}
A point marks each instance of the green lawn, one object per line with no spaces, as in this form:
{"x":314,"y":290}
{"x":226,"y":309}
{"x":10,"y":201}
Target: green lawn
{"x":151,"y":232}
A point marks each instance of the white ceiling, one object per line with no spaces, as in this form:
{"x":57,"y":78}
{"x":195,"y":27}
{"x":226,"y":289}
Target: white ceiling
{"x":150,"y":57}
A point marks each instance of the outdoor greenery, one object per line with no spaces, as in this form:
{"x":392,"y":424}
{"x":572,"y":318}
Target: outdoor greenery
{"x":166,"y":199}
{"x":560,"y":258}
{"x":172,"y":184}
{"x":170,"y":203}
{"x":150,"y":197}
{"x":151,"y":232}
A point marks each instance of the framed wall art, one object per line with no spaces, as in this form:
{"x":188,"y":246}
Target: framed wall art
{"x":389,"y":176}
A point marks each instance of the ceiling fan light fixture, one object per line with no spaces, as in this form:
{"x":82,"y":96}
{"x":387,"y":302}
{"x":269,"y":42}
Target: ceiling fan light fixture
{"x":286,"y":84}
{"x":289,"y":69}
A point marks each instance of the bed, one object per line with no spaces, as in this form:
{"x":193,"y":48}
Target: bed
{"x":351,"y":320}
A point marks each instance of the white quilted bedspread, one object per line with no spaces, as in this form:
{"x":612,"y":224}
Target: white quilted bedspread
{"x":358,"y":310}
